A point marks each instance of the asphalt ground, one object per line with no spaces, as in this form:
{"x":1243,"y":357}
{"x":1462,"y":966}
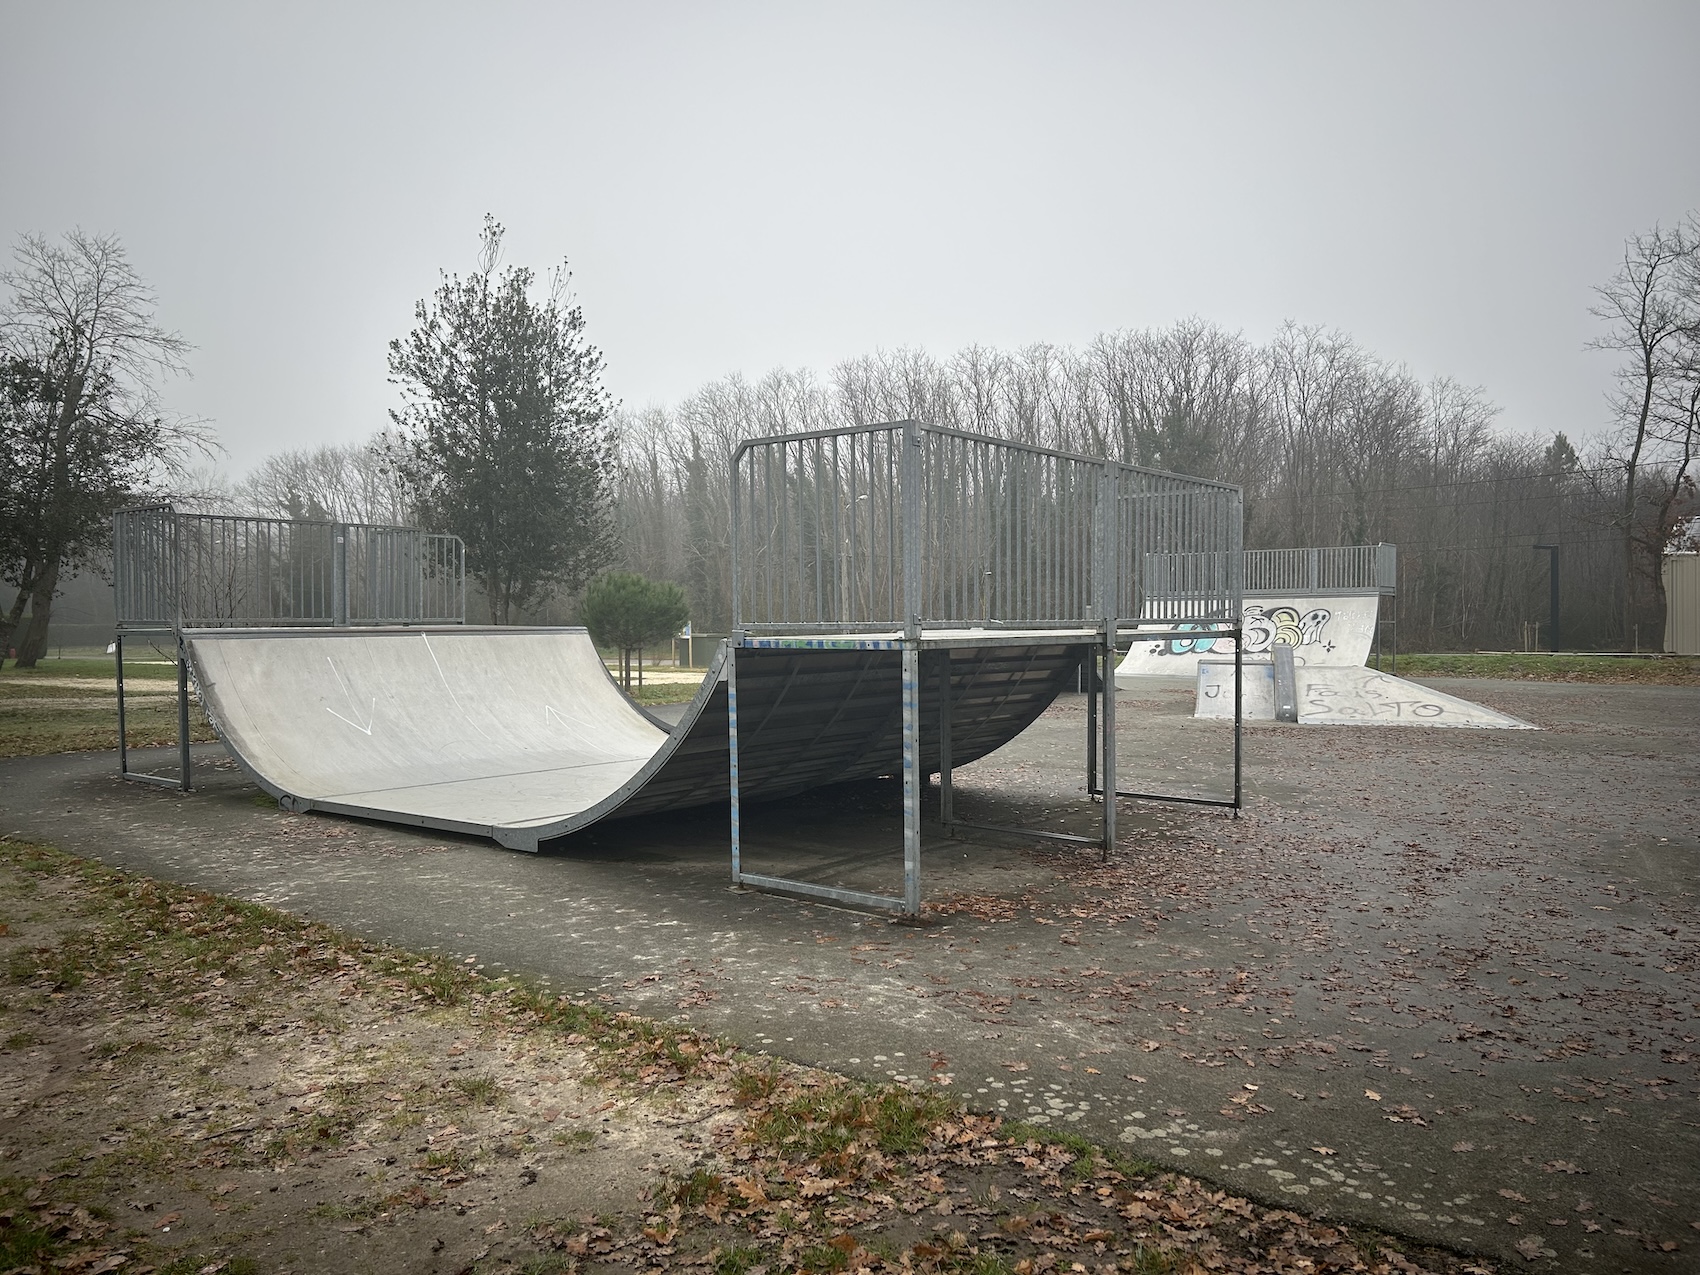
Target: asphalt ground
{"x":1443,"y":982}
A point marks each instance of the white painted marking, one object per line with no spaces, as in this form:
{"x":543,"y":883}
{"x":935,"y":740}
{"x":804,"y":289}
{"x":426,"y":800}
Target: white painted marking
{"x":453,"y":698}
{"x":371,"y":715}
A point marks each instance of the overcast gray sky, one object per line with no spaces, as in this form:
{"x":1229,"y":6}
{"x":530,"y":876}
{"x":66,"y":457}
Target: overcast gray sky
{"x":744,"y":186}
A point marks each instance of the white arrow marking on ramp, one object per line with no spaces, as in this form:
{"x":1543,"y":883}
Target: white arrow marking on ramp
{"x":371,"y":716}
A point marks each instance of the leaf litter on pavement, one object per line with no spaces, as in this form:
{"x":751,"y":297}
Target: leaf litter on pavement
{"x":193,"y":1084}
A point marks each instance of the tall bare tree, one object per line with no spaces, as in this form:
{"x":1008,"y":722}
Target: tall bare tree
{"x":353,"y":482}
{"x":80,"y":427}
{"x":1652,"y":311}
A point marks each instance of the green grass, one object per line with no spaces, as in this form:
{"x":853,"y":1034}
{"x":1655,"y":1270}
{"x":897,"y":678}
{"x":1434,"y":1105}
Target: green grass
{"x":40,"y":715}
{"x":1087,"y":1154}
{"x":833,"y":1119}
{"x":735,"y":1260}
{"x":482,"y":1091}
{"x":1535,"y":667}
{"x":665,"y":693}
{"x":149,"y":669}
{"x":22,"y":1242}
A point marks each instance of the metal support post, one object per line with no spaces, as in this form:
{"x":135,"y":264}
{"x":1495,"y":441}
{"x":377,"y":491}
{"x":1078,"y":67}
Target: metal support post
{"x":1089,"y":670}
{"x":1393,"y":659}
{"x":1286,"y":683}
{"x":123,"y":742}
{"x":911,"y":778}
{"x":1107,"y":573}
{"x":182,"y":715}
{"x":947,"y":793}
{"x":1109,"y":718}
{"x":909,"y":481}
{"x":339,"y":575}
{"x":732,"y":750}
{"x":1239,"y":712}
{"x":183,"y":779}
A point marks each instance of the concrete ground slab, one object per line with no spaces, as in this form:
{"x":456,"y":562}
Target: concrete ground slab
{"x":1442,"y":982}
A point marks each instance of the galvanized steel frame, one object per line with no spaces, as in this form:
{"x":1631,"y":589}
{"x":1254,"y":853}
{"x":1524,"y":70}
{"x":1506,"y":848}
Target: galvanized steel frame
{"x":184,"y":770}
{"x":173,"y":570}
{"x":923,"y":531}
{"x":902,"y":525}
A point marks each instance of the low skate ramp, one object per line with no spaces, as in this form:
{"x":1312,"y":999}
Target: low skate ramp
{"x":1328,"y":696}
{"x":520,"y":735}
{"x":1333,"y":630}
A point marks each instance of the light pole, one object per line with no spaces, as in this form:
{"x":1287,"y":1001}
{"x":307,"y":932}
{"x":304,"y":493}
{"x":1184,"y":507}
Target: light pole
{"x":1552,"y":580}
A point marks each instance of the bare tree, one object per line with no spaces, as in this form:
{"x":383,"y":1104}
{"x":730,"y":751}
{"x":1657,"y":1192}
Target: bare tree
{"x":81,"y":432}
{"x":353,"y":482}
{"x":1652,"y":311}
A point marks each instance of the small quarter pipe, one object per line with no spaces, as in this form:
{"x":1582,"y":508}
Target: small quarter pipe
{"x":520,"y":735}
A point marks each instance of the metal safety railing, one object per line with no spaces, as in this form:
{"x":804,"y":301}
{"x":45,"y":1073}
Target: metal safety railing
{"x":902,"y":524}
{"x":1340,"y":569}
{"x":174,"y":570}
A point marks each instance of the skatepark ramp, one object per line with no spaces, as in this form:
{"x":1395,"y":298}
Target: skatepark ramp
{"x":1323,"y":603}
{"x":520,"y":735}
{"x":905,"y":600}
{"x":1310,"y":623}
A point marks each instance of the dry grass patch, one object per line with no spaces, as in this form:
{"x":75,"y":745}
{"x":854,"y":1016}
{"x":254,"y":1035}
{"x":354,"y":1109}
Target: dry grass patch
{"x":191,"y":1083}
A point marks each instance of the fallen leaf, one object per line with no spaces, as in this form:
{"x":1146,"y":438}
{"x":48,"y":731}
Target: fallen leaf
{"x":1533,"y":1247}
{"x":1509,"y":1194}
{"x":752,"y":1189}
{"x":1560,"y":1166}
{"x":1372,"y":1095}
{"x":1463,"y":1146}
{"x":166,"y":1221}
{"x":1323,"y":1150}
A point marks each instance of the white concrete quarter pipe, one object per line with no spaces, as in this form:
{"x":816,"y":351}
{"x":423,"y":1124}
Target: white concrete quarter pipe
{"x":1330,"y":630}
{"x":520,"y":735}
{"x":1330,"y":637}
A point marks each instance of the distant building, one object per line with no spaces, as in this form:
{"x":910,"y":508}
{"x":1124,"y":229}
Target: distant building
{"x":1682,"y":603}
